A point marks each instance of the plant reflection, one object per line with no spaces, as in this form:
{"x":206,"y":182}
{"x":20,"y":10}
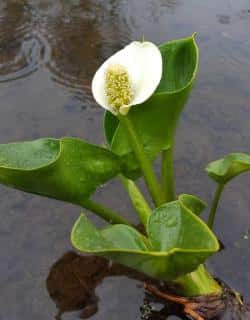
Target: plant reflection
{"x":14,"y":25}
{"x":72,"y":281}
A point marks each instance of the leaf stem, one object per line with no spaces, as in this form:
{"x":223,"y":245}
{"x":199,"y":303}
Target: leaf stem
{"x":139,"y":202}
{"x":145,"y":165}
{"x":167,"y":174}
{"x":103,"y":212}
{"x":214,"y":206}
{"x":197,"y":283}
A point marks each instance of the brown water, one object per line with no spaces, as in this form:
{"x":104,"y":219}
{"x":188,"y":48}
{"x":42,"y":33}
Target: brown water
{"x":49,"y":51}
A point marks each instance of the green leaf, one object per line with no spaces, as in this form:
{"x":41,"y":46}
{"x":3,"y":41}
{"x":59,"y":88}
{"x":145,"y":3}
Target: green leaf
{"x":86,"y":237}
{"x":178,"y":241}
{"x":174,"y":225}
{"x":155,"y":120}
{"x":192,"y":203}
{"x":68,"y":169}
{"x":110,"y":124}
{"x":225,"y":169}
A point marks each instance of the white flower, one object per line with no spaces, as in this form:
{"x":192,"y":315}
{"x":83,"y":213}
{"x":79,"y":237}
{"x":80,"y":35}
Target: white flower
{"x":127,"y":78}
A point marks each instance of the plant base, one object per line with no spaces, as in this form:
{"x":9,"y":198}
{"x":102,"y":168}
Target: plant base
{"x":228,"y":305}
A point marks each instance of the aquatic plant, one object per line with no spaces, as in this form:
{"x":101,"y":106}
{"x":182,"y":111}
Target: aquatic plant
{"x":143,"y":89}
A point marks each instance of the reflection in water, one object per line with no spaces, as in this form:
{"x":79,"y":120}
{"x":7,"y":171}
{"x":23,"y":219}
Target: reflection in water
{"x":77,"y":44}
{"x":70,"y":37}
{"x":14,"y":25}
{"x":73,"y":279}
{"x":22,"y":49}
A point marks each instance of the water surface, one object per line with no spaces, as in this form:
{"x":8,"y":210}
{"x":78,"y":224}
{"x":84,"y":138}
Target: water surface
{"x":49,"y":51}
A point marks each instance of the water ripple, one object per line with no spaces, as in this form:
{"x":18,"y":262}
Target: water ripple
{"x":26,"y":58}
{"x":71,"y":39}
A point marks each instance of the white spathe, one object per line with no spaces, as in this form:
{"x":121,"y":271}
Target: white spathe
{"x":143,"y":63}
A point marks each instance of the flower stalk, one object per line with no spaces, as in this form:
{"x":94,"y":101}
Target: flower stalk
{"x":167,"y":174}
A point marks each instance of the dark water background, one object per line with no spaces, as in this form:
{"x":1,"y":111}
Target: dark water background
{"x":49,"y":51}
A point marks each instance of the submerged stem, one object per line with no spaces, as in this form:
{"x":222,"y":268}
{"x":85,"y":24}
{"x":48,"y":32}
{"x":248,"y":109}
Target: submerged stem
{"x":103,"y":212}
{"x":145,"y":165}
{"x":214,"y":206}
{"x":139,"y":202}
{"x":167,"y":174}
{"x":198,"y":283}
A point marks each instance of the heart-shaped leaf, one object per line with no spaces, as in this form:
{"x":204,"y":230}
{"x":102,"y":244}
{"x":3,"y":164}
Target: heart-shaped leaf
{"x":68,"y":169}
{"x":156,"y":119}
{"x":178,"y":241}
{"x":225,"y":169}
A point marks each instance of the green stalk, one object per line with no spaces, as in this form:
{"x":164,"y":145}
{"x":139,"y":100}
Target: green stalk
{"x":140,"y":204}
{"x":167,"y":173}
{"x":103,"y":212}
{"x":145,"y":165}
{"x":197,"y":283}
{"x":214,"y":206}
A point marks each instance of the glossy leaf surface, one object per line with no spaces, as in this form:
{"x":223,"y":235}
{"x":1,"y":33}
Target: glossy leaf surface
{"x":225,"y":169}
{"x":178,"y":241}
{"x":68,"y":169}
{"x":192,"y":203}
{"x":156,"y":119}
